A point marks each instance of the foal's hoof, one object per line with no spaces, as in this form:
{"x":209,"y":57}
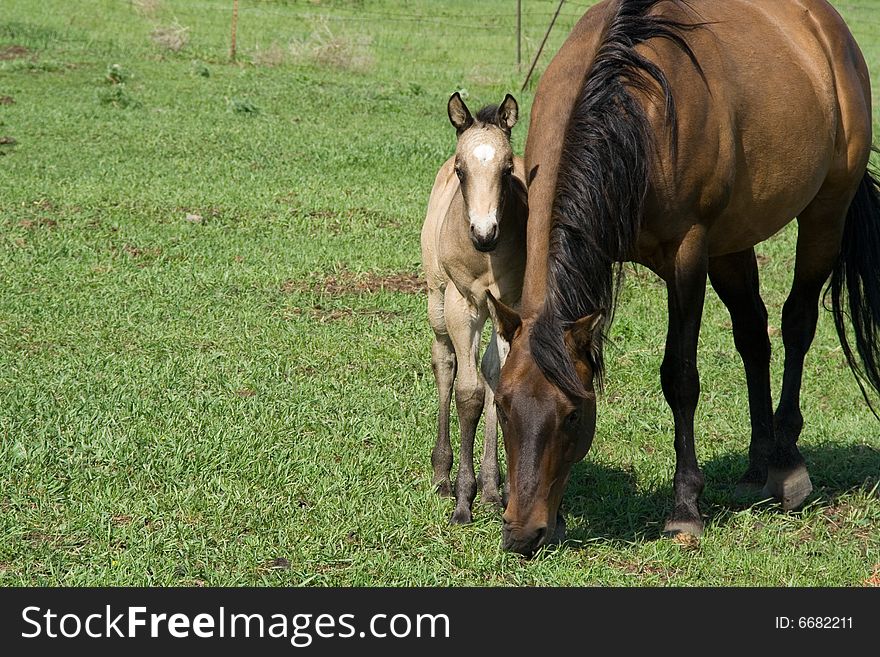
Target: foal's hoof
{"x":444,"y":488}
{"x":461,"y":517}
{"x":675,"y":527}
{"x":559,"y":532}
{"x":491,"y":499}
{"x":788,"y":487}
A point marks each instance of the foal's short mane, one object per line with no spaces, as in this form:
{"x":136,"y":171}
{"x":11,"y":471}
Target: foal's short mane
{"x":487,"y":114}
{"x":601,"y":187}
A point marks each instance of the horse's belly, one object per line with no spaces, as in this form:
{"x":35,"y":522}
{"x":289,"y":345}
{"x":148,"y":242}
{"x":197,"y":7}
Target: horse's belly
{"x":749,"y":221}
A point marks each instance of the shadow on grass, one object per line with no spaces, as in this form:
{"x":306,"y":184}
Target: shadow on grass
{"x":604,"y":502}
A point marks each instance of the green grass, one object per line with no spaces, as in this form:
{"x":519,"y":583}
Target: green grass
{"x":195,"y":400}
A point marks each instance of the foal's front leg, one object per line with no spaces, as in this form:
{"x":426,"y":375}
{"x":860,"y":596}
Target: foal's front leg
{"x":686,"y":287}
{"x":465,"y":323}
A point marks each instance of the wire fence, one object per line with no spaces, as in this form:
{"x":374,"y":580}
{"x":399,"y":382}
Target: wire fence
{"x":456,"y":20}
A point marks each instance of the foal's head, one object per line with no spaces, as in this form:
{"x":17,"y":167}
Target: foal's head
{"x":484,"y":164}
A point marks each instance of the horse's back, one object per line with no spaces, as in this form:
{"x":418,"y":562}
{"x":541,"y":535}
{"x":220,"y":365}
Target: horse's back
{"x":783,"y":112}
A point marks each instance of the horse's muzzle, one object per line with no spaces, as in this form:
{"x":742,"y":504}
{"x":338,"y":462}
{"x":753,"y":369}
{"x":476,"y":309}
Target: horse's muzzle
{"x":528,"y":542}
{"x":524,"y":543}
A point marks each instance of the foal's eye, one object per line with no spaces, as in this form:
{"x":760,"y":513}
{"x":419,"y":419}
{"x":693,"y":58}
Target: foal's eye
{"x":459,"y":173}
{"x":572,"y":420}
{"x":508,"y":171}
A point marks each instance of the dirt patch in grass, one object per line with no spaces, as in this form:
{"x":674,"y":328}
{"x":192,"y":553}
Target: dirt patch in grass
{"x":874,"y":579}
{"x":324,"y":315}
{"x":42,"y":222}
{"x":14,"y":52}
{"x":278,"y":563}
{"x":350,"y":283}
{"x":650,"y":568}
{"x":338,"y":222}
{"x":6,"y":100}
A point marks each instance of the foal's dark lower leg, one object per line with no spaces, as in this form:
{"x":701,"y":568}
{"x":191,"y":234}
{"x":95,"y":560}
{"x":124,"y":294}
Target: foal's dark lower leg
{"x":681,"y":384}
{"x":735,"y":279}
{"x":469,"y":404}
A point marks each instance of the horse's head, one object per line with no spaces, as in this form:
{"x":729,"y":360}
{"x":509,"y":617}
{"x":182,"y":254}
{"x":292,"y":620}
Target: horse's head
{"x":484,"y":165}
{"x":546,"y":431}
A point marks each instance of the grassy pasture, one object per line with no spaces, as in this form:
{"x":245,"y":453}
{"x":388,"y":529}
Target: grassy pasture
{"x":214,"y":356}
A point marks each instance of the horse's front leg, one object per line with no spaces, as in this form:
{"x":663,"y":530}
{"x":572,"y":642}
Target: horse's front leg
{"x":465,"y":323}
{"x":686,"y":287}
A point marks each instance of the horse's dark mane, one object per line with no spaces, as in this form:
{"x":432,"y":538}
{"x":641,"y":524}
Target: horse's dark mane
{"x":601,"y":187}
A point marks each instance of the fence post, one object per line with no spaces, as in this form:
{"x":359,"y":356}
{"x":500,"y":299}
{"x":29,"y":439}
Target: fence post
{"x":234,"y":29}
{"x":519,"y":35}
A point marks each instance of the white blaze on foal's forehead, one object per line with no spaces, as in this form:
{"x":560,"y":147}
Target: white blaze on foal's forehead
{"x":484,"y":153}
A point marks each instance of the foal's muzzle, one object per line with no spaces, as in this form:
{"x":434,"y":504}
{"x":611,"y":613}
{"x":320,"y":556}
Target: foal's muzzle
{"x":485,"y":242}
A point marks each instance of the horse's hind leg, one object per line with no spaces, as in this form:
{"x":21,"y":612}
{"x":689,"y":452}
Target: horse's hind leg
{"x":443,"y":365}
{"x":820,"y":230}
{"x":489,"y":478}
{"x":465,"y":323}
{"x":735,"y":279}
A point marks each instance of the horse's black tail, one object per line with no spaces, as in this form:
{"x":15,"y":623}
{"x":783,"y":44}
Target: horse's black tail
{"x":855,"y":286}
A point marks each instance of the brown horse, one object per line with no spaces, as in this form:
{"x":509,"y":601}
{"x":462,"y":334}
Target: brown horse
{"x":473,"y":242}
{"x":679,"y":135}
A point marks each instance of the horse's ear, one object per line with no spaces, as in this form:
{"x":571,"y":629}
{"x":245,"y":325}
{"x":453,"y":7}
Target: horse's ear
{"x":459,"y":115}
{"x":506,"y":320}
{"x":583,"y":338}
{"x":507,"y":114}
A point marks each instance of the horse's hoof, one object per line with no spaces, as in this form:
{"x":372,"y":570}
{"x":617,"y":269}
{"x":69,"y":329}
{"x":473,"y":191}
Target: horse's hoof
{"x":788,"y":487}
{"x":461,"y":517}
{"x":691,"y":527}
{"x":444,"y":488}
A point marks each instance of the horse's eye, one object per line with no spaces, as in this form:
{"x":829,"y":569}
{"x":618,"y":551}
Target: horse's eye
{"x":572,"y":420}
{"x":508,"y":171}
{"x":459,"y":173}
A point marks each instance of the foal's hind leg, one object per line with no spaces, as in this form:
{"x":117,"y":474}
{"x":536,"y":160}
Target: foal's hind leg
{"x":465,"y":323}
{"x":443,"y":365}
{"x":735,"y":279}
{"x":820,"y":229}
{"x":490,"y":478}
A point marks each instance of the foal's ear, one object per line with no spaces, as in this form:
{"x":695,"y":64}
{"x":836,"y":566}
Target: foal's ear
{"x":506,"y":320}
{"x":507,"y":113}
{"x":584,"y":336}
{"x":459,"y":115}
